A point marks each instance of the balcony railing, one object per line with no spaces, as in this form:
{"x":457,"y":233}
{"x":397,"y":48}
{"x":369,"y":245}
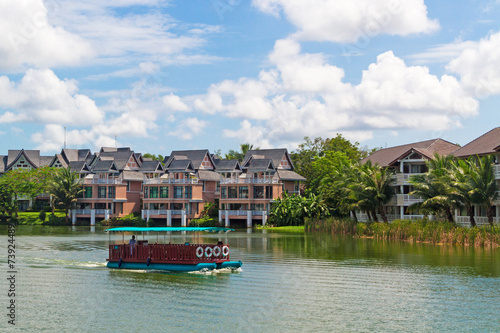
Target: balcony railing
{"x":88,"y":181}
{"x":89,"y":211}
{"x":406,"y":199}
{"x":403,"y":178}
{"x":170,"y":181}
{"x":496,"y":168}
{"x":243,"y":212}
{"x":164,"y":211}
{"x":249,"y":181}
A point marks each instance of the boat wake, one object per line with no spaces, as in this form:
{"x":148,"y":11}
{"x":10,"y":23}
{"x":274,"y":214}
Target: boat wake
{"x":217,"y":271}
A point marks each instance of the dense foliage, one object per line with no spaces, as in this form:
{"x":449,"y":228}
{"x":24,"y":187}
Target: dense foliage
{"x":293,"y":209}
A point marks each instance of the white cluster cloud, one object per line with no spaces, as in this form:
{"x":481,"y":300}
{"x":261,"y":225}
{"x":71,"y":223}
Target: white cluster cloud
{"x":347,"y":21}
{"x":41,"y":97}
{"x":188,"y":128}
{"x":303,"y":95}
{"x":29,"y":39}
{"x":479,"y":66}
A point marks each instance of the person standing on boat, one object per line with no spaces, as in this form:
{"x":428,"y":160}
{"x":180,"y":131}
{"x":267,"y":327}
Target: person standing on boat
{"x":132,"y":244}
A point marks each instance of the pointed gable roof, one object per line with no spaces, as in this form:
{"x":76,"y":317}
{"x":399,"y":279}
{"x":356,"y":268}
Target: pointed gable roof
{"x":228,"y":166}
{"x":151,"y":167}
{"x":195,"y":156}
{"x":487,"y":143}
{"x":389,"y":156}
{"x":183,"y":165}
{"x":31,"y":156}
{"x":71,"y":155}
{"x":58,"y":158}
{"x":79,"y":166}
{"x":262,"y":165}
{"x":3,"y":163}
{"x":121,"y":156}
{"x":105,"y":167}
{"x":276,"y":155}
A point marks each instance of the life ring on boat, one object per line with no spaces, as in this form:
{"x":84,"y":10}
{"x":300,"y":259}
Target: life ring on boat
{"x":120,"y":262}
{"x":208,"y":252}
{"x":216,"y":251}
{"x":199,"y":252}
{"x":148,"y":262}
{"x":225,"y":250}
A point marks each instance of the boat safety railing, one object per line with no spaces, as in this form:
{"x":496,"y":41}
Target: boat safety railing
{"x":169,"y":252}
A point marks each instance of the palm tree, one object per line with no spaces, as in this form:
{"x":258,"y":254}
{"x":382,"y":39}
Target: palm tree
{"x":235,"y":155}
{"x":373,"y":189}
{"x":434,"y":187}
{"x":485,"y":189}
{"x":65,"y":188}
{"x":463,"y":187}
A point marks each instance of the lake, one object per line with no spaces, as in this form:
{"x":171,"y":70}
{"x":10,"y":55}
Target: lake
{"x":288,"y":282}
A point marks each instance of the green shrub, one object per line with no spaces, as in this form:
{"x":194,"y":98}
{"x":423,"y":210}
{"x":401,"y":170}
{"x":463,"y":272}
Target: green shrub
{"x":128,"y":221}
{"x":42,"y":216}
{"x":205,"y":221}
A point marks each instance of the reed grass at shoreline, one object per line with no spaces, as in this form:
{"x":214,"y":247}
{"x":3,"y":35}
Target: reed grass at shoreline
{"x":421,"y":231}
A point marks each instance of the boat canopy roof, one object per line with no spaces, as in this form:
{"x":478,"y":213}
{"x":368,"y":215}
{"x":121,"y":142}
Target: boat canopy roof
{"x":164,"y":229}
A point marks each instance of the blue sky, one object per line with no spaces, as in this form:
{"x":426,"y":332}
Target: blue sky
{"x":162,"y":75}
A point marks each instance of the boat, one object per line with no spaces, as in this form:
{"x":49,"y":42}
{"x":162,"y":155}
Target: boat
{"x":184,"y":257}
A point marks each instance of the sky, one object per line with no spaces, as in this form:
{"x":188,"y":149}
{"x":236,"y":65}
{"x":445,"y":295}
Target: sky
{"x":163,"y":75}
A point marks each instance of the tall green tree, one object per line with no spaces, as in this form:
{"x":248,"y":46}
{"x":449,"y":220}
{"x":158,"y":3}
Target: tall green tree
{"x":239,"y":155}
{"x":483,"y":182}
{"x":462,"y":186}
{"x":65,"y":188}
{"x":8,"y":207}
{"x":434,"y":188}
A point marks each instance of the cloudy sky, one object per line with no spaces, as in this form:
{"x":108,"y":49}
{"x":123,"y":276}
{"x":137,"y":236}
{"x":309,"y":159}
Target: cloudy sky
{"x":160,"y":75}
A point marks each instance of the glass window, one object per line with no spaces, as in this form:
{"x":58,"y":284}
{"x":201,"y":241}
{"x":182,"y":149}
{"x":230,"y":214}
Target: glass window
{"x":243,"y":192}
{"x":178,"y":192}
{"x":232,"y":192}
{"x":217,"y":189}
{"x":177,"y":206}
{"x":258,"y":192}
{"x":88,"y":192}
{"x":101,"y":191}
{"x":146,"y":192}
{"x":296,"y":186}
{"x":269,"y":192}
{"x":188,"y":194}
{"x":128,"y":186}
{"x":153,"y":192}
{"x":111,"y":192}
{"x":223,"y":192}
{"x":164,"y":192}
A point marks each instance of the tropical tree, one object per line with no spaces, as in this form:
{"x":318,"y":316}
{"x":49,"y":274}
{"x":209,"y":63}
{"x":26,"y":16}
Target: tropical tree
{"x":462,"y":186}
{"x":434,"y":188}
{"x":293,"y":209}
{"x":485,"y":189}
{"x":8,"y":206}
{"x":65,"y":188}
{"x":374,"y":189}
{"x":239,"y":155}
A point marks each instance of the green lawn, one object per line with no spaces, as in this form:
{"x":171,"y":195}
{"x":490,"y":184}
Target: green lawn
{"x":299,"y":228}
{"x":32,"y":217}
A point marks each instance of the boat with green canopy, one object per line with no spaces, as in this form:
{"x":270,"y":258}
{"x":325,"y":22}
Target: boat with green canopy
{"x":186,"y":257}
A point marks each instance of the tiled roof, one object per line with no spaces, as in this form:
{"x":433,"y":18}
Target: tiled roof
{"x":120,"y":157}
{"x":196,"y":156}
{"x":255,"y":165}
{"x":181,"y":166}
{"x":289,"y":175}
{"x":132,"y":175}
{"x":228,"y":166}
{"x":483,"y":145}
{"x":79,"y":166}
{"x":151,"y":166}
{"x":387,"y":156}
{"x":208,"y":175}
{"x":105,"y":166}
{"x":3,"y":163}
{"x":276,"y":155}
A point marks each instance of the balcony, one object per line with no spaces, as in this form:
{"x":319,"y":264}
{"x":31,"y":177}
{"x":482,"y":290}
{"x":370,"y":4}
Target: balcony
{"x":89,"y":211}
{"x":249,"y":181}
{"x":403,"y":178}
{"x":407,"y":200}
{"x":496,"y":169}
{"x":158,"y":181}
{"x":88,"y":181}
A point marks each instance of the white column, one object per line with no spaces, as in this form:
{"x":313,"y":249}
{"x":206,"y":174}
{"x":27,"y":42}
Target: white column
{"x":220,"y":215}
{"x":226,"y":220}
{"x":264,"y":218}
{"x":147,"y":215}
{"x":183,"y":221}
{"x":73,"y":217}
{"x":498,"y":213}
{"x":249,"y":218}
{"x":92,"y":217}
{"x":142,"y":214}
{"x":169,"y":218}
{"x":106,"y":214}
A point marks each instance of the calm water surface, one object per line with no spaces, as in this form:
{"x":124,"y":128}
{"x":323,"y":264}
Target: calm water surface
{"x":288,"y":282}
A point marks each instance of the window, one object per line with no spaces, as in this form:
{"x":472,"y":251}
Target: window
{"x":153,"y":192}
{"x":100,"y":205}
{"x":146,"y":192}
{"x":258,"y":192}
{"x":243,"y":192}
{"x":101,"y":191}
{"x":111,"y":192}
{"x":296,"y":187}
{"x":88,"y":192}
{"x":128,"y":186}
{"x":178,"y":192}
{"x":223,"y":192}
{"x":257,"y":207}
{"x":269,"y":192}
{"x":217,"y":188}
{"x":164,"y":192}
{"x":177,"y":206}
{"x":188,"y":192}
{"x":232,"y":192}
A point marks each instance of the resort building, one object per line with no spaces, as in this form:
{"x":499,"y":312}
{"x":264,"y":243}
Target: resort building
{"x":406,"y":161}
{"x":486,"y":144}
